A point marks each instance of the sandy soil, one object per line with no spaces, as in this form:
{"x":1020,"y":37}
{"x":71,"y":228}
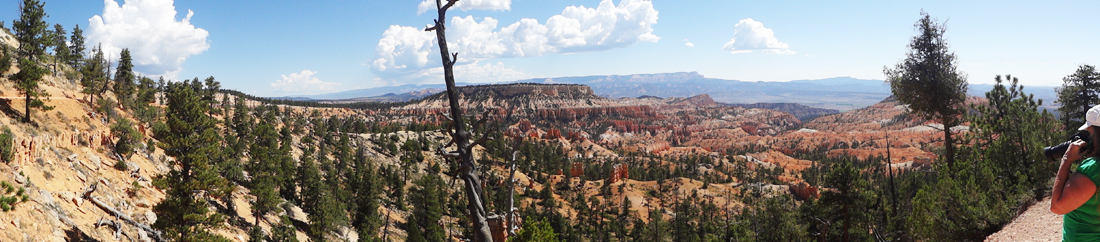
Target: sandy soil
{"x":1036,"y":224}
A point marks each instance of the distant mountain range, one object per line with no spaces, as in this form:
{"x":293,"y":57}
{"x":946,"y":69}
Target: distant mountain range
{"x":838,"y":93}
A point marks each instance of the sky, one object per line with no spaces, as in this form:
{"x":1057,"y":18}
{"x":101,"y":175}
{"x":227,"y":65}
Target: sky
{"x":286,"y":48}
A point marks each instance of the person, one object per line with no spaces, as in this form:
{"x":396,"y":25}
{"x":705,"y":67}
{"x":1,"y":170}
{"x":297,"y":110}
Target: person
{"x":1074,"y":193}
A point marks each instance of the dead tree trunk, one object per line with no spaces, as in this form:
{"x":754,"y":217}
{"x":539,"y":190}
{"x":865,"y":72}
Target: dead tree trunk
{"x":118,"y":214}
{"x":511,"y":195}
{"x":467,"y":170}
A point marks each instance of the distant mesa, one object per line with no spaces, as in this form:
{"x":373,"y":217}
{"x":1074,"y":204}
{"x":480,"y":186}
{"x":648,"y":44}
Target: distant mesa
{"x":509,"y":91}
{"x":838,"y":93}
{"x":803,"y":112}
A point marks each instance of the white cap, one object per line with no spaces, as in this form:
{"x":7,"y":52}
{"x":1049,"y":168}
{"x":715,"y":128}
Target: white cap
{"x":1092,"y":118}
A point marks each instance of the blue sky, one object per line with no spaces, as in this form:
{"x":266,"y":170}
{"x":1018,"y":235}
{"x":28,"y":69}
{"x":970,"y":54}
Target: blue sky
{"x":280,"y":48}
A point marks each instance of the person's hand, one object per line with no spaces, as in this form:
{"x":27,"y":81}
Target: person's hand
{"x":1074,"y":151}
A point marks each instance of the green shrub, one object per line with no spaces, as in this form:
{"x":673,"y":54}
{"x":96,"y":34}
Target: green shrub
{"x":7,"y":203}
{"x":539,"y":231}
{"x":5,"y":59}
{"x":107,"y":106}
{"x":128,"y":138}
{"x":160,"y":130}
{"x":122,"y":166}
{"x":6,"y":143}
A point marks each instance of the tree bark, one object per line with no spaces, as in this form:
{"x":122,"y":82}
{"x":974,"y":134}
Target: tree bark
{"x":118,"y":214}
{"x":511,"y":194}
{"x":461,"y":136}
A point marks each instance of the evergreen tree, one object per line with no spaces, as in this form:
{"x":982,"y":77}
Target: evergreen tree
{"x":60,"y":44}
{"x":147,"y":91}
{"x":1011,"y":132}
{"x":94,"y":73}
{"x":317,"y":200}
{"x":1007,"y":136}
{"x":31,"y":32}
{"x":194,"y":141}
{"x":5,"y":59}
{"x":128,"y":138}
{"x":367,"y":187}
{"x":428,"y":203}
{"x":284,"y":232}
{"x":256,"y":234}
{"x":287,"y":166}
{"x":124,"y":79}
{"x":1079,"y":92}
{"x":538,"y":231}
{"x":265,"y":167}
{"x":927,"y":80}
{"x":76,"y":47}
{"x":26,"y":81}
{"x":846,"y":204}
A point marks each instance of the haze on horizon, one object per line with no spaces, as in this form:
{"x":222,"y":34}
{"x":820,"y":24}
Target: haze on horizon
{"x":303,"y":48}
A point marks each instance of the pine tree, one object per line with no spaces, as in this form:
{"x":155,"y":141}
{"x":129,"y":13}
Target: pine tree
{"x":31,"y":32}
{"x":128,"y":138}
{"x":367,"y":187}
{"x":5,"y":59}
{"x":94,"y":73}
{"x":427,"y":210}
{"x":317,"y":200}
{"x":287,"y":166}
{"x":147,"y":91}
{"x":76,"y":47}
{"x":265,"y":168}
{"x":284,"y":231}
{"x":124,"y":79}
{"x":1079,"y":92}
{"x":194,"y":142}
{"x":929,"y":82}
{"x":60,"y":45}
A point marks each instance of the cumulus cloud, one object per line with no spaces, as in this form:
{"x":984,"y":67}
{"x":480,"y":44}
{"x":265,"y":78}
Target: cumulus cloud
{"x":750,"y":35}
{"x":688,"y":43}
{"x":467,"y":5}
{"x":302,"y":81}
{"x":158,"y":43}
{"x":405,"y":51}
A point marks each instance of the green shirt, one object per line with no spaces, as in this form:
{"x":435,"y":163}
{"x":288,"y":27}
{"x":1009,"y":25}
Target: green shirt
{"x":1083,"y":223}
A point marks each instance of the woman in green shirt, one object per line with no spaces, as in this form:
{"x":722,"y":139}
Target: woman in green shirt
{"x":1074,"y":193}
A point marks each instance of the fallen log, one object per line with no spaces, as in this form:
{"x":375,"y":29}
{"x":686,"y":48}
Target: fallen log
{"x":115,"y":224}
{"x":157,"y":235}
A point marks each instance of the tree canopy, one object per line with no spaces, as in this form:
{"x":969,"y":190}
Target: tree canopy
{"x":1079,"y":92}
{"x":928,"y":81}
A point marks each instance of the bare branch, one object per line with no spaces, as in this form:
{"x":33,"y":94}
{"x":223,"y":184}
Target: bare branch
{"x":157,"y":235}
{"x":481,"y":141}
{"x":449,"y":144}
{"x":448,"y":6}
{"x":484,"y":117}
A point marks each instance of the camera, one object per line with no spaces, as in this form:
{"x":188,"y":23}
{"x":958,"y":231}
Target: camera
{"x":1056,"y":152}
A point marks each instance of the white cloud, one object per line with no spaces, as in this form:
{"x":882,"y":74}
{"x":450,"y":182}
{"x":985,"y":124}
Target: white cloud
{"x":750,"y":35}
{"x":405,"y":51}
{"x":303,"y":81}
{"x":688,"y":43}
{"x":158,"y":43}
{"x":467,"y":5}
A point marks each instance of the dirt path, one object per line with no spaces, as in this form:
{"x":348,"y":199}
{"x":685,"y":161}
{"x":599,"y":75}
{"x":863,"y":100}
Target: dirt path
{"x":1036,"y":224}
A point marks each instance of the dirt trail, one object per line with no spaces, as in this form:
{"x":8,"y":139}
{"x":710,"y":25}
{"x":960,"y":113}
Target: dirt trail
{"x":1036,"y":224}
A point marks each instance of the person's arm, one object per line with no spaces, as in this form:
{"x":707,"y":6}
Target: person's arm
{"x":1071,"y":190}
